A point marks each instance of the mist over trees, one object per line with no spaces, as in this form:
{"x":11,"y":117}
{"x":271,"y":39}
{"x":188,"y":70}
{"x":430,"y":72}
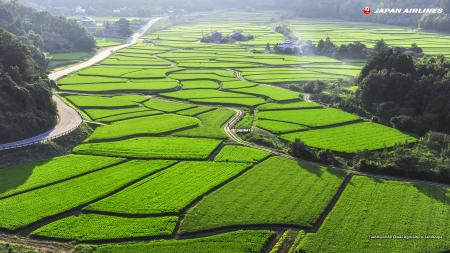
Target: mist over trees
{"x":342,"y":9}
{"x":42,"y":30}
{"x":25,"y":97}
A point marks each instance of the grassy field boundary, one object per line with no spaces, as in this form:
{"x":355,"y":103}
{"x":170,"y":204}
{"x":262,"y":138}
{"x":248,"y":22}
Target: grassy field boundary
{"x":26,"y":230}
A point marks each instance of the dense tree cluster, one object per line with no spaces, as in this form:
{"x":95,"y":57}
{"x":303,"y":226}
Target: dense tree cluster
{"x":25,"y":96}
{"x":354,"y":50}
{"x":427,"y":159}
{"x":410,"y":94}
{"x":43,"y":30}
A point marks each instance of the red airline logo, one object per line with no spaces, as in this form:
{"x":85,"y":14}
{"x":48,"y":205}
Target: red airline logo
{"x":367,"y":10}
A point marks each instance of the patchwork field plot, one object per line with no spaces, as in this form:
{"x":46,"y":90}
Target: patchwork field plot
{"x":143,"y":86}
{"x":153,"y":147}
{"x":288,"y":106}
{"x":247,"y":101}
{"x":352,"y":138}
{"x":384,"y":208}
{"x":278,"y":127}
{"x":167,"y":106}
{"x":245,"y":241}
{"x":106,"y":102}
{"x":298,"y":196}
{"x":31,"y":175}
{"x":97,"y":114}
{"x":48,"y":201}
{"x":211,"y":124}
{"x":311,"y":118}
{"x":170,"y":190}
{"x":159,"y":124}
{"x":78,"y":79}
{"x":164,"y":167}
{"x":234,"y":153}
{"x":274,"y":93}
{"x":89,"y":227}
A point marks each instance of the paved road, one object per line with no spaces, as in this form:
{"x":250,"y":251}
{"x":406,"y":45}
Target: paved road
{"x":68,"y":118}
{"x":228,"y":128}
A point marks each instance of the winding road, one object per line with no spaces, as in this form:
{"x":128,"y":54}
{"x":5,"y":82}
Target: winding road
{"x":68,"y":118}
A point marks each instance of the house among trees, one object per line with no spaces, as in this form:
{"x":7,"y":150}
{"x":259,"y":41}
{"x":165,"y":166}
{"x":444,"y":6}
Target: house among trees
{"x":217,"y":37}
{"x":87,"y":21}
{"x":290,"y":47}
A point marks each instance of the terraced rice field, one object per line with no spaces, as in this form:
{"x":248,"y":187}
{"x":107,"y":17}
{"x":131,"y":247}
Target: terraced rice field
{"x":352,"y":138}
{"x":161,"y":174}
{"x":384,"y":208}
{"x":297,"y":197}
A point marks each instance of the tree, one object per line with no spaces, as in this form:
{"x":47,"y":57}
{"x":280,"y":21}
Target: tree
{"x":124,"y":27}
{"x":25,"y":96}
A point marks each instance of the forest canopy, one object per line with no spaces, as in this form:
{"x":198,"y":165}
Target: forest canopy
{"x":44,"y":31}
{"x":25,"y":97}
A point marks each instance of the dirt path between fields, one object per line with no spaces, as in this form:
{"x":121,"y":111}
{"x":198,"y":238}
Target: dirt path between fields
{"x":68,"y":118}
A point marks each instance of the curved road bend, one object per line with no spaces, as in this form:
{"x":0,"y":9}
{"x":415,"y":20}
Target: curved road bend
{"x":228,"y":128}
{"x":68,"y":118}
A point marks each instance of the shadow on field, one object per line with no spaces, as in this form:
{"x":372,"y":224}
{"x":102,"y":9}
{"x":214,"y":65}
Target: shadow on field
{"x":15,"y":176}
{"x":440,"y":194}
{"x":318,"y":170}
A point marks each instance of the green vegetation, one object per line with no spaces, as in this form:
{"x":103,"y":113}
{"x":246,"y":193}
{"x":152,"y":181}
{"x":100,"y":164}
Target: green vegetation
{"x":274,"y":93}
{"x":171,"y":190}
{"x":159,"y":124}
{"x":352,"y":138}
{"x":106,"y":102}
{"x":43,"y":31}
{"x":77,"y":79}
{"x":295,"y":105}
{"x":278,"y":127}
{"x":107,"y":42}
{"x":374,"y":207}
{"x":204,"y":93}
{"x":27,"y":176}
{"x":251,"y":102}
{"x":153,"y":147}
{"x":298,"y":196}
{"x":96,"y":114}
{"x":48,"y":201}
{"x":87,"y":227}
{"x":142,"y":86}
{"x":211,"y":124}
{"x":62,"y":59}
{"x":311,"y":118}
{"x":234,"y":153}
{"x":25,"y":97}
{"x":200,"y":84}
{"x":167,"y":106}
{"x":244,"y":241}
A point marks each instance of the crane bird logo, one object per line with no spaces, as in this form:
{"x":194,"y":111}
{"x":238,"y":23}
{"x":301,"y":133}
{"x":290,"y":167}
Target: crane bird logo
{"x":367,"y":10}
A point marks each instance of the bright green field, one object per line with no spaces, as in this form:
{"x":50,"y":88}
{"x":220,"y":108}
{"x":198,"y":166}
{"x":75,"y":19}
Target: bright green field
{"x":374,"y":207}
{"x":106,"y":102}
{"x":287,"y":106}
{"x":167,"y":106}
{"x":31,"y":175}
{"x":278,"y":127}
{"x":311,"y":118}
{"x":272,"y":92}
{"x":211,"y":124}
{"x":159,"y":124}
{"x":245,"y":241}
{"x":153,"y":147}
{"x":277,"y":191}
{"x":48,"y":201}
{"x":352,"y":138}
{"x":87,"y":227}
{"x":235,"y":153}
{"x":171,"y":190}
